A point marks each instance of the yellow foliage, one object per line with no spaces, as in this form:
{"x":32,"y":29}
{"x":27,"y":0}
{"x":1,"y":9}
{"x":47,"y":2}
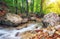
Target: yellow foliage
{"x":51,"y":6}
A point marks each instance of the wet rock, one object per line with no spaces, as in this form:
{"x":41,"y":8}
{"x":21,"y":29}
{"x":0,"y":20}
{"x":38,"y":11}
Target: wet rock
{"x":1,"y":34}
{"x":11,"y":19}
{"x":24,"y":20}
{"x":33,"y":18}
{"x":51,"y":19}
{"x":17,"y":34}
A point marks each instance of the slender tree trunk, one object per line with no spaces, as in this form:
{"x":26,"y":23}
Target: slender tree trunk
{"x":16,"y":7}
{"x":22,"y":6}
{"x":41,"y":8}
{"x":27,"y":8}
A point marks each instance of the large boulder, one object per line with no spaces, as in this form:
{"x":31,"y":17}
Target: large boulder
{"x":11,"y":19}
{"x":51,"y":19}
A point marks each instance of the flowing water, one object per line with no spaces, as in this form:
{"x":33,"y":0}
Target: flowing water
{"x":10,"y":33}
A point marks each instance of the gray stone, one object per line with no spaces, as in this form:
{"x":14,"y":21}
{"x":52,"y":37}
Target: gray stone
{"x":11,"y":19}
{"x":51,"y":19}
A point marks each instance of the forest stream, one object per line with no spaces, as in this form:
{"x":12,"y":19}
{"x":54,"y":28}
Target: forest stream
{"x":13,"y":32}
{"x":9,"y":33}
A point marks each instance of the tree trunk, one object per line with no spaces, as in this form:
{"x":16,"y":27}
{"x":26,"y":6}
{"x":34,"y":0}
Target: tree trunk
{"x":27,"y":8}
{"x":41,"y":8}
{"x":16,"y":7}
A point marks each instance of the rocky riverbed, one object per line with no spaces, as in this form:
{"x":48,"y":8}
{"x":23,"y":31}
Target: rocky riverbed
{"x":10,"y":33}
{"x":33,"y":23}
